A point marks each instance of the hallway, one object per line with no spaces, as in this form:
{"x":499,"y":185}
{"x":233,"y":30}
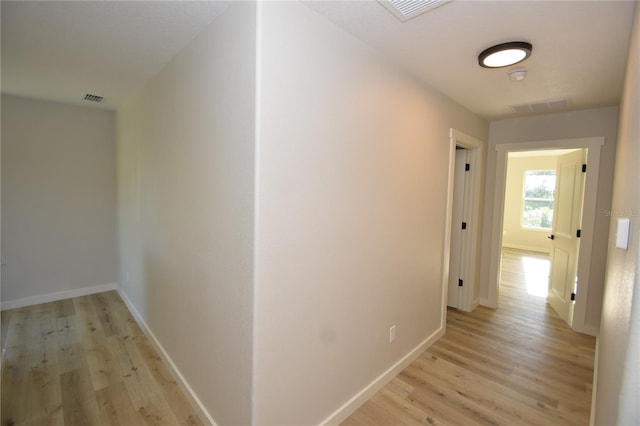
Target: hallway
{"x":519,"y":364}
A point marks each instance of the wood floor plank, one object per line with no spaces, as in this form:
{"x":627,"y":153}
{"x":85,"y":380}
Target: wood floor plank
{"x":127,"y":324}
{"x":107,"y":314}
{"x":15,"y":384}
{"x":78,"y":399}
{"x":42,"y":337}
{"x":45,"y":399}
{"x":15,"y":335}
{"x":102,"y":367}
{"x":519,"y":364}
{"x":5,"y":320}
{"x":99,"y":359}
{"x":116,"y":407}
{"x":400,"y":387}
{"x":143,"y":390}
{"x":63,"y":308}
{"x":69,"y":353}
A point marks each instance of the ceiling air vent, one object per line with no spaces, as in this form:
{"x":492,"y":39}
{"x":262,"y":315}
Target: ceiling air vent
{"x":93,"y":98}
{"x":408,"y":9}
{"x":553,"y":105}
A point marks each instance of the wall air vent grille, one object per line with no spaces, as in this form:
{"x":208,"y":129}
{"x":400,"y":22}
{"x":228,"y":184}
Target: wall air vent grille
{"x":93,"y":98}
{"x":408,"y":9}
{"x":553,"y":105}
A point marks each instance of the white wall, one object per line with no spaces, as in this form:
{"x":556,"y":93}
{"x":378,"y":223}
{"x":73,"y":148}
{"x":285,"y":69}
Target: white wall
{"x":617,"y":372}
{"x":352,"y":184}
{"x":514,"y":235}
{"x":58,"y":200}
{"x":186,"y":191}
{"x":567,"y":125}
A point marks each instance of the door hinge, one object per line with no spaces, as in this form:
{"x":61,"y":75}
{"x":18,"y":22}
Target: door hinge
{"x":584,"y":168}
{"x":578,"y":233}
{"x":467,"y":167}
{"x":573,"y":297}
{"x":460,"y":282}
{"x":464,"y":225}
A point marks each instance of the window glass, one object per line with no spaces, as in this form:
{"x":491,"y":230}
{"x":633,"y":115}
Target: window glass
{"x":539,"y":191}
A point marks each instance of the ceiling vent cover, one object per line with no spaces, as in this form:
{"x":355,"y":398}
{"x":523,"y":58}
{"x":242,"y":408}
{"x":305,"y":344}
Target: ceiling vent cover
{"x":93,"y":98}
{"x":408,"y":9}
{"x":553,"y":105}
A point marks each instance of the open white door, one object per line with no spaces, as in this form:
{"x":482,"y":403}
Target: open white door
{"x":456,"y":255}
{"x":565,"y":232}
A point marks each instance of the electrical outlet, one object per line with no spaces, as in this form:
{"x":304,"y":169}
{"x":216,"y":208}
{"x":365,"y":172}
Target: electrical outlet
{"x":392,"y":334}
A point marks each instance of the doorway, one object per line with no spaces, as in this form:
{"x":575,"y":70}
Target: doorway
{"x":593,"y":145}
{"x":463,"y":231}
{"x":541,"y":223}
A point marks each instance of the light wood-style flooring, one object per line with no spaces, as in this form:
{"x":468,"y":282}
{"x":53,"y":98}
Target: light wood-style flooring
{"x":84,"y":361}
{"x":517,"y":365}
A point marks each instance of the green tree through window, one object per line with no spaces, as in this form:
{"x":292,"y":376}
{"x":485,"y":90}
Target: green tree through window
{"x":539,"y":191}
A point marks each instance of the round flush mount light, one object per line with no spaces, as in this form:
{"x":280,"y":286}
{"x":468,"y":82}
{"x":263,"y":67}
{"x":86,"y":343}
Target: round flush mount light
{"x":505,"y":54}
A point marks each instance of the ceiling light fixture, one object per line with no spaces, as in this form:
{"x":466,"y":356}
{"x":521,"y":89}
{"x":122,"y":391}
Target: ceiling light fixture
{"x":505,"y":54}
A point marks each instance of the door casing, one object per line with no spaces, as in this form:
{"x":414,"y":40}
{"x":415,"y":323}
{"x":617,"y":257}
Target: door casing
{"x":468,"y":296}
{"x":594,"y":146}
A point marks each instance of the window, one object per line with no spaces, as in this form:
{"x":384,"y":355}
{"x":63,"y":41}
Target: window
{"x":539,"y":191}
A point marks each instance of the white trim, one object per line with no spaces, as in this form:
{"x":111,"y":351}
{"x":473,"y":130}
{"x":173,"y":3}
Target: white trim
{"x":53,"y":297}
{"x":446,"y":249}
{"x":570,"y":143}
{"x":594,"y":387}
{"x":378,"y":383}
{"x":256,"y":204}
{"x":485,"y":302}
{"x":589,"y":329}
{"x":594,"y":147}
{"x":173,"y":369}
{"x":475,"y":303}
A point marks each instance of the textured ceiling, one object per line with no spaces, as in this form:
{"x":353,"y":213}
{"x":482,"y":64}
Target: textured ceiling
{"x":61,"y":50}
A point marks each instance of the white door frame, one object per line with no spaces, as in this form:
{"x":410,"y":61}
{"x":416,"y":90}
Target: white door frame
{"x":593,"y":146}
{"x":475,"y":155}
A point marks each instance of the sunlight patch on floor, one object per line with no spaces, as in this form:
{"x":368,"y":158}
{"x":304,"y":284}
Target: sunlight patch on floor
{"x":536,"y":272}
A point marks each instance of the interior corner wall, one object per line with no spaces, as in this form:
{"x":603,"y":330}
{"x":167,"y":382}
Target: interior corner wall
{"x":514,"y":234}
{"x":352,"y":201}
{"x":186,"y":210}
{"x":58,"y":200}
{"x":617,"y":373}
{"x":565,"y":125}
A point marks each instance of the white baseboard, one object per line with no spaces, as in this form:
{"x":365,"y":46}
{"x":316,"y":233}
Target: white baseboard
{"x":173,"y":369}
{"x":368,"y":391}
{"x":475,"y":303}
{"x":594,"y":388}
{"x":591,"y":330}
{"x":485,"y":302}
{"x":60,"y":295}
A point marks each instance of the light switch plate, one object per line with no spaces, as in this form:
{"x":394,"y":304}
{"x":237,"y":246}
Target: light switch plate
{"x":622,"y":233}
